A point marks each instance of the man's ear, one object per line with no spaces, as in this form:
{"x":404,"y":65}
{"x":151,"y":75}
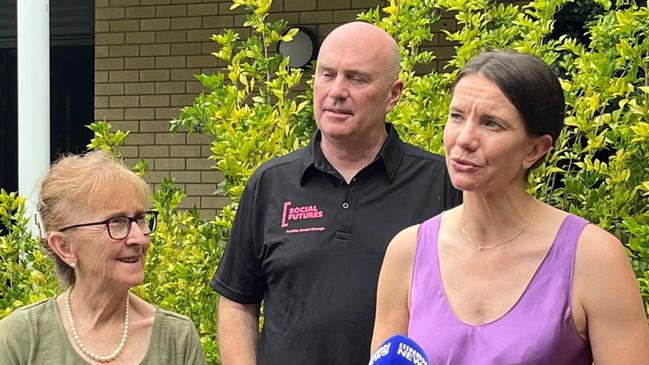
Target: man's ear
{"x":60,"y":244}
{"x":539,"y":148}
{"x":395,"y":94}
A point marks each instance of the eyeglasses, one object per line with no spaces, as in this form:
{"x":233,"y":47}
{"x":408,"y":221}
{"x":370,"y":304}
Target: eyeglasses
{"x":119,"y":227}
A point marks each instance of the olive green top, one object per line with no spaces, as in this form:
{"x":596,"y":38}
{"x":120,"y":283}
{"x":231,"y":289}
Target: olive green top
{"x":35,"y":335}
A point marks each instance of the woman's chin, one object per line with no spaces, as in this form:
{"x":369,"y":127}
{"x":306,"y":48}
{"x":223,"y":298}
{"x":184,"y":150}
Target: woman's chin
{"x":129,"y":279}
{"x":467,"y":185}
{"x":134,"y":280}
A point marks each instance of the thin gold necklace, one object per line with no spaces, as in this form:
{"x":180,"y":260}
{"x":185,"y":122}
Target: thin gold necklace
{"x":83,"y":347}
{"x":487,"y":247}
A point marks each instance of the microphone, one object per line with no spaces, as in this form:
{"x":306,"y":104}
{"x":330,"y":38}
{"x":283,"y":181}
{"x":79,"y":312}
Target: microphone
{"x":399,"y":350}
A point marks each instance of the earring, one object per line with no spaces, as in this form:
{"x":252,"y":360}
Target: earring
{"x":73,"y":265}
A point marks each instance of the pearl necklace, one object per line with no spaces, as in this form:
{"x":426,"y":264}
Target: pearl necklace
{"x":481,"y":247}
{"x":83,"y":347}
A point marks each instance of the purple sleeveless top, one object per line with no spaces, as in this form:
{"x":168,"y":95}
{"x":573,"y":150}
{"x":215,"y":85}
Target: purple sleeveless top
{"x":538,"y":329}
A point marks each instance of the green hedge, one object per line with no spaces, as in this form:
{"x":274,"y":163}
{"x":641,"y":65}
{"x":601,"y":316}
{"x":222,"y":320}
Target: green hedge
{"x":252,"y":112}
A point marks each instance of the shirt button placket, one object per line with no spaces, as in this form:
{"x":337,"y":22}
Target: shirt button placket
{"x":345,"y":204}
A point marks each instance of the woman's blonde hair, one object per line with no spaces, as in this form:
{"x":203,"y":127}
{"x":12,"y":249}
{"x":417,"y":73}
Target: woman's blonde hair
{"x":75,"y":184}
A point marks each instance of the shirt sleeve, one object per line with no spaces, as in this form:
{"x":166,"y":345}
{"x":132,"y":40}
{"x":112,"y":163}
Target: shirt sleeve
{"x":14,"y":342}
{"x":193,"y":352}
{"x":239,"y":276}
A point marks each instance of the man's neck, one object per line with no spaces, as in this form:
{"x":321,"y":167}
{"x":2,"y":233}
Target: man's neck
{"x":350,"y":158}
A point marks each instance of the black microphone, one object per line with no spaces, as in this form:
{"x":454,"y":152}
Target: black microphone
{"x":399,"y":350}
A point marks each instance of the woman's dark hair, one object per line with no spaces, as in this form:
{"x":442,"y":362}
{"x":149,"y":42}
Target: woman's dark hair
{"x":530,"y":85}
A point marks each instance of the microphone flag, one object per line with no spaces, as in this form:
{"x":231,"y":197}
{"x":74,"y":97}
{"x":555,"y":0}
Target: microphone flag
{"x":399,"y":350}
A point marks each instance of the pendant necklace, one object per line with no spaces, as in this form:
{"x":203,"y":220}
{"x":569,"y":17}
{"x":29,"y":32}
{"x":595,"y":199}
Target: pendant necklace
{"x":480,"y":247}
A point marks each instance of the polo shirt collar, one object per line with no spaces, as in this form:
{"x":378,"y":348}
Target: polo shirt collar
{"x":390,"y":155}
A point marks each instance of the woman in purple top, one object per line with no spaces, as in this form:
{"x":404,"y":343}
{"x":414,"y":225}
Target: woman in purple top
{"x":505,"y":278}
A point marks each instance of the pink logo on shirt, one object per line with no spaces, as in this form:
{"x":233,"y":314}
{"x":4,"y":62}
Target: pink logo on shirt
{"x":304,"y":212}
{"x":300,"y":213}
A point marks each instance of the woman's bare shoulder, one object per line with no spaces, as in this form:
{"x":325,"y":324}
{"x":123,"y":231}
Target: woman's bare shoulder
{"x":598,"y":246}
{"x":602,"y":266}
{"x":401,"y":250}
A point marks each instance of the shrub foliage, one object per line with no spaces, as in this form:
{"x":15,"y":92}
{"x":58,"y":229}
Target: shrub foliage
{"x":26,"y":273}
{"x":252,"y":111}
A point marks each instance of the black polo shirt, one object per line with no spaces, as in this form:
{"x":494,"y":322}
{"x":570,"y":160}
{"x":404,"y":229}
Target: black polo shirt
{"x":311,"y":246}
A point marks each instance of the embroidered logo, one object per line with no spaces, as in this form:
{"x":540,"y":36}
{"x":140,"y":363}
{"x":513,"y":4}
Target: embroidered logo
{"x":300,"y":213}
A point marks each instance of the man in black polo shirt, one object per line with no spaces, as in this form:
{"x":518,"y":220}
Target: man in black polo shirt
{"x":313,"y":226}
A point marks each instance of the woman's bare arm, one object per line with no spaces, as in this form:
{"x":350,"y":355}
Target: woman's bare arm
{"x":392,"y":309}
{"x":607,"y":291}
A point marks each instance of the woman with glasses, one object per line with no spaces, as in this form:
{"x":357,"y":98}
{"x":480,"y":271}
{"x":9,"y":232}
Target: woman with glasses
{"x":96,"y":226}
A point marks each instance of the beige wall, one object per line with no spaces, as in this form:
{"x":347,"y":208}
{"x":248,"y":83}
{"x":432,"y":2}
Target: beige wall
{"x":146,"y":54}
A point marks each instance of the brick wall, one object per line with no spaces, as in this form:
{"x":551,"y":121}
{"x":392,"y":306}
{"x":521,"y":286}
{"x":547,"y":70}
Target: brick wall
{"x":146,"y":54}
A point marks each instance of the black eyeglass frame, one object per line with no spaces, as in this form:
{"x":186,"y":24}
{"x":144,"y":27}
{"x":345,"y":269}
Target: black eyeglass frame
{"x":130,"y":224}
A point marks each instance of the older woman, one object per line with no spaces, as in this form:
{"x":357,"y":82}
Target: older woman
{"x":505,"y":278}
{"x":96,"y":226}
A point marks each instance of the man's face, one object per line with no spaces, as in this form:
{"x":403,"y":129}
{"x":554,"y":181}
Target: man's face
{"x":353,"y":88}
